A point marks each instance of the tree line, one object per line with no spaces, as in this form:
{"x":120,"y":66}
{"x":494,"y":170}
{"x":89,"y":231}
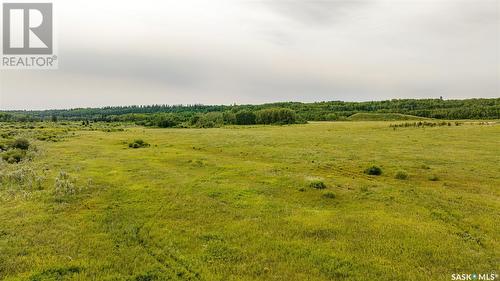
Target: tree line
{"x":273,"y":113}
{"x":276,"y":116}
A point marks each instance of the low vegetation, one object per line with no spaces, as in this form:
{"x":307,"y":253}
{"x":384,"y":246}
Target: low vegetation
{"x":433,"y":178}
{"x":383,"y":117}
{"x":138,"y":143}
{"x":22,"y":144}
{"x":423,"y":124}
{"x":401,"y":175}
{"x":14,"y":151}
{"x":13,"y":156}
{"x":317,"y":184}
{"x":329,"y":195}
{"x":22,"y":178}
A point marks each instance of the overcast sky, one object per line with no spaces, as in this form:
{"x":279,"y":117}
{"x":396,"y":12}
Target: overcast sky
{"x":230,"y":51}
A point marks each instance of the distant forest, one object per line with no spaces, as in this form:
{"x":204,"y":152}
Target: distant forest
{"x":283,"y":112}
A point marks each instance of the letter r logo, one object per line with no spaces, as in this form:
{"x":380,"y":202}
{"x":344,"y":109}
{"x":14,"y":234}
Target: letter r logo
{"x":27,"y":29}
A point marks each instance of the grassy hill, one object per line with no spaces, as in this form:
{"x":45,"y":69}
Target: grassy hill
{"x":245,"y":203}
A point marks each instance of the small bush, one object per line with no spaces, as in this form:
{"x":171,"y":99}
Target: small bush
{"x":25,"y":177}
{"x":22,"y":144}
{"x":317,"y":184}
{"x":374,"y":171}
{"x":433,"y":178}
{"x":64,"y":185}
{"x":138,"y":144}
{"x":13,"y":156}
{"x":329,"y":195}
{"x":402,"y":175}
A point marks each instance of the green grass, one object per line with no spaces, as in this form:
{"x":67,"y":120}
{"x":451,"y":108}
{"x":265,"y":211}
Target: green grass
{"x":236,"y":204}
{"x":383,"y":117}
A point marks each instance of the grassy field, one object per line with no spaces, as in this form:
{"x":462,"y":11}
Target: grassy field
{"x":236,"y":203}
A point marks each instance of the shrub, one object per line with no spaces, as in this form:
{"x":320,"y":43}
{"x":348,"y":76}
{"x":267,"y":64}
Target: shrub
{"x":25,"y":177}
{"x":329,"y":195}
{"x":331,"y":117}
{"x":13,"y":156}
{"x":208,"y":120}
{"x":229,"y":118}
{"x":64,"y":185}
{"x":166,"y":120}
{"x":401,"y":175}
{"x":138,"y":143}
{"x":317,"y":184}
{"x":22,"y":144}
{"x":374,"y":171}
{"x":275,"y":116}
{"x":245,"y":117}
{"x":194,"y":120}
{"x":433,"y":178}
